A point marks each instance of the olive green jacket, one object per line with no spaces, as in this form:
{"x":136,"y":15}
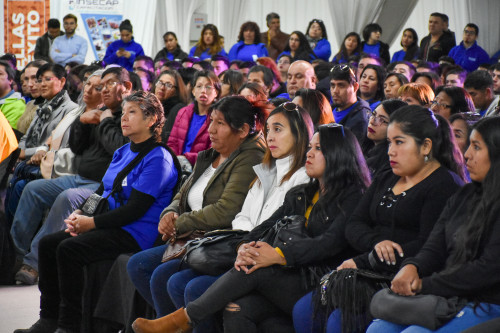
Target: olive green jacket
{"x":225,"y":192}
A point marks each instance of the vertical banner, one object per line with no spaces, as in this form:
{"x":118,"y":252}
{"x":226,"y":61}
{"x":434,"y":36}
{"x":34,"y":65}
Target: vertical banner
{"x":101,"y":19}
{"x":24,"y":22}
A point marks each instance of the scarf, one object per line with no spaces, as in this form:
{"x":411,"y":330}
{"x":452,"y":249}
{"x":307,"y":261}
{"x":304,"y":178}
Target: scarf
{"x":43,"y":116}
{"x":312,"y":41}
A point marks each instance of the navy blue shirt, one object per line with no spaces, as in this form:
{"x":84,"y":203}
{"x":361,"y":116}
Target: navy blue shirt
{"x":339,"y":115}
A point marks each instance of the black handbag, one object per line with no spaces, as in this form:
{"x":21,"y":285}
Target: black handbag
{"x":214,"y":254}
{"x":429,"y":311}
{"x":285,"y":231}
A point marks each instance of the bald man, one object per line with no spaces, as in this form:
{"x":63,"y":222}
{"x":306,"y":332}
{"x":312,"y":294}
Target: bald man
{"x":300,"y":75}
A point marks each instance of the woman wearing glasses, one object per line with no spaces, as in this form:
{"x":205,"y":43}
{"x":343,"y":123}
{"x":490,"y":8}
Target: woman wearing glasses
{"x":318,"y":40}
{"x":172,"y":93}
{"x":298,"y":48}
{"x":452,"y":100}
{"x":189,"y":133}
{"x":265,"y":281}
{"x":397,"y":213}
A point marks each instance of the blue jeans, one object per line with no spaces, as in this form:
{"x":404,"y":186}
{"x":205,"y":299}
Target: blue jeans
{"x":185,"y":287}
{"x":304,"y":322}
{"x":463,"y":320}
{"x":38,"y":196}
{"x":150,"y":277}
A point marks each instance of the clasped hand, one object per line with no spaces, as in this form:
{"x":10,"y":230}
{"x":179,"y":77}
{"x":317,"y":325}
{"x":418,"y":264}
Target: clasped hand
{"x":78,"y":224}
{"x":258,"y":255}
{"x":407,"y":282}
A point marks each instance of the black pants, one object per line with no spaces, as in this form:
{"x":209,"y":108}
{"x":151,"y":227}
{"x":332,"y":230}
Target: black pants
{"x":62,"y":259}
{"x":264,"y":293}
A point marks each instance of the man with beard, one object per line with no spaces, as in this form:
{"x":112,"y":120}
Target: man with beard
{"x":69,"y":47}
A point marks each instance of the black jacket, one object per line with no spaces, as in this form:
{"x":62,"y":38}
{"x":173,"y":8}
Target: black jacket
{"x":42,"y":47}
{"x":326,"y":224}
{"x":178,"y":54}
{"x":478,"y":279}
{"x":383,"y":52}
{"x":94,"y":145}
{"x":442,"y":47}
{"x":357,"y":119}
{"x":171,"y":108}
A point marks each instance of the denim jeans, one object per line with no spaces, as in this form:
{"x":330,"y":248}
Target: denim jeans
{"x":38,"y":196}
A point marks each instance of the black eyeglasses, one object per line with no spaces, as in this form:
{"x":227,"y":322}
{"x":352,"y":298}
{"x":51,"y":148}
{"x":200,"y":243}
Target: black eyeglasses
{"x":441,"y":105}
{"x":335,"y":125}
{"x":377,"y":120}
{"x":290,"y":107}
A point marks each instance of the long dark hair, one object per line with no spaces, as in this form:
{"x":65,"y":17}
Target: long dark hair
{"x":421,"y":123}
{"x":412,"y":50}
{"x":317,"y":105}
{"x":379,"y":95}
{"x":321,"y":25}
{"x":304,"y":52}
{"x":343,"y":51}
{"x":484,"y":211}
{"x":461,"y":99}
{"x":250,"y":26}
{"x":345,"y":163}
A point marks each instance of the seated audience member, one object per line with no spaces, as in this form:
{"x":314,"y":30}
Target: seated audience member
{"x":130,"y":224}
{"x":423,"y":67}
{"x":189,"y":133}
{"x":26,"y":118}
{"x":170,"y":65}
{"x":145,"y":63}
{"x":279,"y":87}
{"x":203,"y":66}
{"x":318,"y":39}
{"x":93,"y":139}
{"x":404,"y":67}
{"x":12,"y":104}
{"x":479,"y":85}
{"x":392,"y":83}
{"x":371,"y":85}
{"x":219,"y":64}
{"x":397,"y":213}
{"x":462,"y":124}
{"x":253,"y":92}
{"x":231,"y":82}
{"x":274,"y":38}
{"x":146,"y":77}
{"x":371,"y":42}
{"x":249,"y":46}
{"x":451,"y":100}
{"x":235,"y":64}
{"x":159,"y":64}
{"x":348,"y":109}
{"x":496,"y":79}
{"x":409,"y":42}
{"x":263,"y":76}
{"x":416,"y":94}
{"x":468,"y":54}
{"x":455,"y":77}
{"x":74,"y":83}
{"x":124,"y":51}
{"x":367,"y":59}
{"x":244,"y":68}
{"x":135,"y":80}
{"x":300,"y":75}
{"x":284,"y":62}
{"x":429,"y":78}
{"x":209,"y":44}
{"x":460,"y":256}
{"x":351,"y":45}
{"x":439,"y":41}
{"x":189,"y":61}
{"x":69,"y":47}
{"x":267,"y":281}
{"x":316,"y":104}
{"x":172,"y":49}
{"x":171,"y":91}
{"x":211,"y":197}
{"x":376,"y":156}
{"x":298,"y":48}
{"x":25,"y":91}
{"x":44,"y":42}
{"x":187,"y":75}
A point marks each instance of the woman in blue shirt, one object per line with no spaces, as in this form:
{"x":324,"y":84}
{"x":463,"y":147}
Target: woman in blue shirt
{"x":298,"y":48}
{"x":409,"y":42}
{"x":351,"y":45}
{"x":130,"y":224}
{"x":124,"y":51}
{"x":372,"y":43}
{"x":209,"y":44}
{"x":318,"y":40}
{"x":249,"y":47}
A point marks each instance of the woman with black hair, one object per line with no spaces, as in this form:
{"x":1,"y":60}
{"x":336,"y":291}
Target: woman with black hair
{"x":460,"y":258}
{"x":409,"y":42}
{"x":316,"y":104}
{"x":318,"y":39}
{"x":452,"y":100}
{"x":231,"y":81}
{"x":298,"y":48}
{"x":209,"y":44}
{"x":392,"y":83}
{"x":462,"y":124}
{"x":371,"y":85}
{"x":172,"y":49}
{"x":397,"y":213}
{"x":124,"y":51}
{"x":428,"y":78}
{"x":266,"y":281}
{"x":372,"y":44}
{"x":351,"y":45}
{"x":248,"y":47}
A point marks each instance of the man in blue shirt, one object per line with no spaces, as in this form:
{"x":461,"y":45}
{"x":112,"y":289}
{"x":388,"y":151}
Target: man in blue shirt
{"x":300,"y":75}
{"x":70,"y":47}
{"x":468,"y":54}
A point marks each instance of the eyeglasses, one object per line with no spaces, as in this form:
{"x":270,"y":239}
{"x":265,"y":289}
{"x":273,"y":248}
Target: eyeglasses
{"x":335,"y":125}
{"x":201,"y":88}
{"x":469,"y":32}
{"x":377,"y":120}
{"x":110,"y":84}
{"x":290,"y":107}
{"x":166,"y":85}
{"x":46,"y":79}
{"x":441,"y":105}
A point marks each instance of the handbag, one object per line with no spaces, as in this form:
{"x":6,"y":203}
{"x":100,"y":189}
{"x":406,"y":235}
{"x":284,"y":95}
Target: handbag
{"x":285,"y":231}
{"x":95,"y":205}
{"x":176,"y":244}
{"x":429,"y":311}
{"x":213,"y":254}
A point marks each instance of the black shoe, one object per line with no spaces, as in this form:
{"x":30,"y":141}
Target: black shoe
{"x":41,"y":326}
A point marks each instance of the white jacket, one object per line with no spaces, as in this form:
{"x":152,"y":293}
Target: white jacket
{"x":256,"y":209}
